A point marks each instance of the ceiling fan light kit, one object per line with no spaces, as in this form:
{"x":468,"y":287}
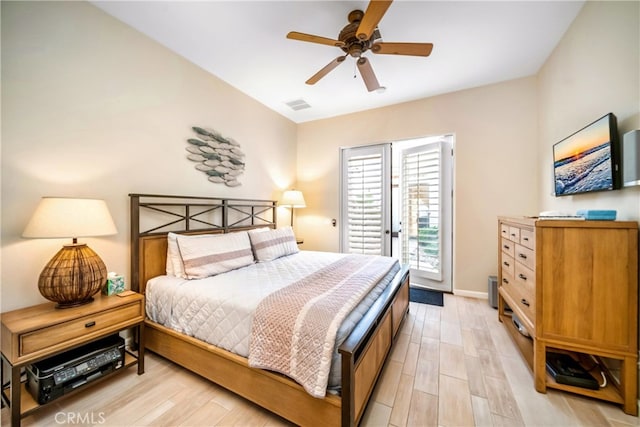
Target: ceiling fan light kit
{"x":359,"y":36}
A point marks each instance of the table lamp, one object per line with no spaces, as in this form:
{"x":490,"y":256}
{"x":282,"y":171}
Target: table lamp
{"x":76,"y":272}
{"x":294,"y":199}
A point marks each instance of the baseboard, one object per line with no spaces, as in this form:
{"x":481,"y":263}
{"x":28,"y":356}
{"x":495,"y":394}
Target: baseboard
{"x":471,"y":294}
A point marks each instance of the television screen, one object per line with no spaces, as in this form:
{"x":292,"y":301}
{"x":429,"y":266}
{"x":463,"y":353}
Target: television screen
{"x":586,"y":160}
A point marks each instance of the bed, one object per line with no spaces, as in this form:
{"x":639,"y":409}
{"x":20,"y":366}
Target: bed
{"x":363,"y":346}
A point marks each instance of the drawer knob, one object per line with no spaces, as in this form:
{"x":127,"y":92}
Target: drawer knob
{"x":506,"y":246}
{"x":505,"y":263}
{"x":90,"y":324}
{"x":525,"y":302}
{"x":522,"y":276}
{"x":504,"y":280}
{"x":523,"y":256}
{"x":526,"y":239}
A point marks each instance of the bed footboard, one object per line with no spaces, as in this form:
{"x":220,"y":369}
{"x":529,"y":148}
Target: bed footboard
{"x":269,"y":390}
{"x":363,"y":354}
{"x":365,"y":351}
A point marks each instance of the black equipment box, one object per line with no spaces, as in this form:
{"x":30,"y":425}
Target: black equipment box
{"x":51,"y":378}
{"x":565,"y":370}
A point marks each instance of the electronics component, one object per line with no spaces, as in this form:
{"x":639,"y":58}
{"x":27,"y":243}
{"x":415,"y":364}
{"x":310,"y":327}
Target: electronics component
{"x":567,"y":371}
{"x":51,"y":378}
{"x":519,"y":326}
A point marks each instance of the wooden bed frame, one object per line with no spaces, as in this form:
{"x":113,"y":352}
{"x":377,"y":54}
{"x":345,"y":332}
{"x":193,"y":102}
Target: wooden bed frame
{"x":363,"y":353}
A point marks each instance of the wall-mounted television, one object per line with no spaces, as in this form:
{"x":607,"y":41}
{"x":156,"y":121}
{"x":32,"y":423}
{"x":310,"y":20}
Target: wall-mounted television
{"x":587,"y":160}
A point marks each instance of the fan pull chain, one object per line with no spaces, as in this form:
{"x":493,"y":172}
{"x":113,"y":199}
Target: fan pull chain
{"x":354,"y":70}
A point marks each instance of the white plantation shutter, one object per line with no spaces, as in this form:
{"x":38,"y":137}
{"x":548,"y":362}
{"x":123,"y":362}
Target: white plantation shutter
{"x":422,"y":210}
{"x":364,"y":184}
{"x":365,"y":211}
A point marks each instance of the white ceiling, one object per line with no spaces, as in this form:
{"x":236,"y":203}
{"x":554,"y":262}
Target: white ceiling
{"x":243,"y":43}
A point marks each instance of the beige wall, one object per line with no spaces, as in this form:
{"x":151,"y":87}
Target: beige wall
{"x":92,"y":108}
{"x":494,"y":171}
{"x":594,"y":70}
{"x":504,"y":134}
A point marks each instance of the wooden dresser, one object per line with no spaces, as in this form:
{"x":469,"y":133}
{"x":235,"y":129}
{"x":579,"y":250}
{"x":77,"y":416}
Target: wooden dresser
{"x":574,"y":287}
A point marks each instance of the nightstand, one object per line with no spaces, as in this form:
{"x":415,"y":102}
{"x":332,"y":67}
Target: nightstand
{"x":32,"y":334}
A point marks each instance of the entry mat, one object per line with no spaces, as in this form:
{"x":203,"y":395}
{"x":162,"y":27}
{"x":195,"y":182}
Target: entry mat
{"x":426,"y":296}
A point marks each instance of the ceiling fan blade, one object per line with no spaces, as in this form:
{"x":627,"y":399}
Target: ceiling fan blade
{"x":294,"y":35}
{"x":325,"y":70}
{"x":369,"y":77}
{"x":414,"y":49}
{"x":373,"y":15}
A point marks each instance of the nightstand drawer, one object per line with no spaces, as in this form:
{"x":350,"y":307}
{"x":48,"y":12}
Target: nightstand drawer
{"x":90,"y":324}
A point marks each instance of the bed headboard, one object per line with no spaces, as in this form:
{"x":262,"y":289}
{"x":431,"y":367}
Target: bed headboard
{"x":153,"y":216}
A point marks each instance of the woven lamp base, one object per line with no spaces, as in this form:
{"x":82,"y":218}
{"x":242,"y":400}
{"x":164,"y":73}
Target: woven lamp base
{"x":73,"y":276}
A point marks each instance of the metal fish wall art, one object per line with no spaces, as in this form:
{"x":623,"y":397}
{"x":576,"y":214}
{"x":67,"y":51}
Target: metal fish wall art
{"x":220,"y":158}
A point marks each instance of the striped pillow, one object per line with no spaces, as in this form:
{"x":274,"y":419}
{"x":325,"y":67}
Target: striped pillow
{"x":210,"y":254}
{"x":174,"y":260}
{"x":272,"y":244}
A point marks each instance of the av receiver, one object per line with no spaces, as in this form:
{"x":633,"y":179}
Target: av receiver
{"x":54,"y":377}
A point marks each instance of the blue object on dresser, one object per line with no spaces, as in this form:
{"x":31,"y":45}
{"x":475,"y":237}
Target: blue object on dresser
{"x":601,"y":215}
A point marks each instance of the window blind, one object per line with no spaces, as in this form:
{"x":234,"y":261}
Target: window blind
{"x":421,"y":207}
{"x":365,"y":204}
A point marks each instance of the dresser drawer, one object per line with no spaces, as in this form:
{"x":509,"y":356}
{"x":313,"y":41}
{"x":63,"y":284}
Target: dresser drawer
{"x":525,"y":256}
{"x":508,"y":264}
{"x":528,"y":238}
{"x":91,"y":324}
{"x":507,"y":279}
{"x":528,"y":306}
{"x":514,"y":234}
{"x":520,"y":301}
{"x":524,"y":276}
{"x":504,"y":231}
{"x":508,"y":247}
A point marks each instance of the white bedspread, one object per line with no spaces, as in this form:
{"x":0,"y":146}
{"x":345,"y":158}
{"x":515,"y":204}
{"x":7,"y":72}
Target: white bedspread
{"x":219,"y":309}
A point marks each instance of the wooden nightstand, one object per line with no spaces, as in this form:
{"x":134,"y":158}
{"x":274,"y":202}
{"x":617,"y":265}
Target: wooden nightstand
{"x":35,"y":333}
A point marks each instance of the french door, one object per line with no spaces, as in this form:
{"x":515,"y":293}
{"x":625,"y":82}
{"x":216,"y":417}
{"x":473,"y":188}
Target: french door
{"x":401,"y":205}
{"x":426,"y":212}
{"x":365,"y":204}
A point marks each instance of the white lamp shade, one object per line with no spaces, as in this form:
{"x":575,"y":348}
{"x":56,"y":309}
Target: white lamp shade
{"x":61,"y":217}
{"x":293,"y":198}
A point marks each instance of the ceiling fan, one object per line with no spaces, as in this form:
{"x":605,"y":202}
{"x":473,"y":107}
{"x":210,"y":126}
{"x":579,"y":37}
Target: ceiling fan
{"x":359,"y":36}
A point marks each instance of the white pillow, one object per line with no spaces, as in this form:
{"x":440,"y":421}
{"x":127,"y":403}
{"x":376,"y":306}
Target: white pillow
{"x":175,"y":267}
{"x":271,"y":244}
{"x":210,"y":254}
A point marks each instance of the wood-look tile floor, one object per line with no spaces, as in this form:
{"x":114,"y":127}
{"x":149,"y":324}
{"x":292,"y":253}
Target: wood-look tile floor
{"x":452,"y":366}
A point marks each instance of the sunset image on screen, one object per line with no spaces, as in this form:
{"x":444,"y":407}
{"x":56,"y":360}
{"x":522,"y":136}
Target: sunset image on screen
{"x":582,"y":162}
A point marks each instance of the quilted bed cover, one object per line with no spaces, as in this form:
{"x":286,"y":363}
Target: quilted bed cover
{"x":220,"y":309}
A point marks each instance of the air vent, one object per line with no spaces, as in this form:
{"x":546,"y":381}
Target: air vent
{"x":298,"y":104}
